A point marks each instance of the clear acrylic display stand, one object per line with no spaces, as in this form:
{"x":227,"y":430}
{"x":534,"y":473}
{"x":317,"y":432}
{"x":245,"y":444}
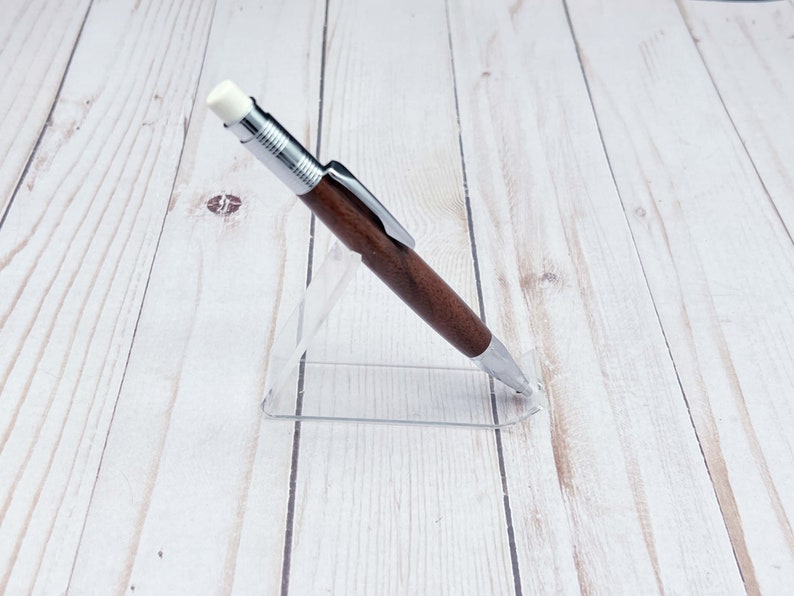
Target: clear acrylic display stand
{"x":349,"y":364}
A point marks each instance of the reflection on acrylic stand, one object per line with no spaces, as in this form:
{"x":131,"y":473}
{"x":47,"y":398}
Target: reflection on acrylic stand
{"x":322,"y":369}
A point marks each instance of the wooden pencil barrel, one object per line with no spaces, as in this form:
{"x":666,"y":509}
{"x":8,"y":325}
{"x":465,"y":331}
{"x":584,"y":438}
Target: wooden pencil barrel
{"x":398,"y":266}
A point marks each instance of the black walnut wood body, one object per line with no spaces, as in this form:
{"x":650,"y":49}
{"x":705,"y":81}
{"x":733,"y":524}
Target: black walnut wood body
{"x":398,"y":266}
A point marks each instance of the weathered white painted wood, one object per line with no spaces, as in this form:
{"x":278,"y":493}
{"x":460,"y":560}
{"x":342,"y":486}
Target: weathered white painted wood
{"x":192,"y":492}
{"x":617,"y":498}
{"x":36,"y":41}
{"x":75,"y":253}
{"x":719,"y":262}
{"x":749,"y":51}
{"x":388,"y":510}
{"x":191,"y":496}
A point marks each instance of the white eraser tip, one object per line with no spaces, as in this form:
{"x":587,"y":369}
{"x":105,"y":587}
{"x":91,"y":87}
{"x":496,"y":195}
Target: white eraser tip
{"x":229,"y":102}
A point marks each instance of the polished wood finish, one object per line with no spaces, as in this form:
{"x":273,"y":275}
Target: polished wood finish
{"x":398,"y":266}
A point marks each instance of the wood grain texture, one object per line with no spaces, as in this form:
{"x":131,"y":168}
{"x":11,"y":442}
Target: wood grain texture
{"x":399,"y":267}
{"x":381,"y":509}
{"x":36,"y":42}
{"x":75,"y":253}
{"x":620,"y":170}
{"x":718,"y":260}
{"x":595,"y":509}
{"x":748,"y":50}
{"x":192,"y":492}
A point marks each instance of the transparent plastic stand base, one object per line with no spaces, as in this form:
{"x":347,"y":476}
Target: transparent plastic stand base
{"x":346,"y":366}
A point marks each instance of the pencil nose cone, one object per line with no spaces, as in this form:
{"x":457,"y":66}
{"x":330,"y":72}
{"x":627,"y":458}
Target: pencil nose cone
{"x":497,"y":362}
{"x":229,"y":102}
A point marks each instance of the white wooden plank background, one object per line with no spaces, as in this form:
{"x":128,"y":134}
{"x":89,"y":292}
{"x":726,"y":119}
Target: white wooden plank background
{"x":189,"y":484}
{"x":418,"y":491}
{"x":558,"y":252}
{"x":76,"y":250}
{"x":749,"y":52}
{"x":36,"y":43}
{"x":718,"y":260}
{"x":611,"y":180}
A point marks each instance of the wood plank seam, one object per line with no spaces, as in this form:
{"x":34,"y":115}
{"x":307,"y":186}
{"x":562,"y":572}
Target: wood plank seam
{"x":146,"y":286}
{"x":176,"y":171}
{"x":747,"y":566}
{"x":47,"y":121}
{"x":296,"y":435}
{"x":648,"y":538}
{"x":289,"y":521}
{"x":193,"y":235}
{"x":508,"y":512}
{"x":404,"y":500}
{"x":731,"y":120}
{"x":743,"y":570}
{"x":37,"y":563}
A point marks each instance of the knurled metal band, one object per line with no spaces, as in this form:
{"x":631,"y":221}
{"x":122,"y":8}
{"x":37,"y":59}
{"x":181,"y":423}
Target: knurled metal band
{"x":278,"y":150}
